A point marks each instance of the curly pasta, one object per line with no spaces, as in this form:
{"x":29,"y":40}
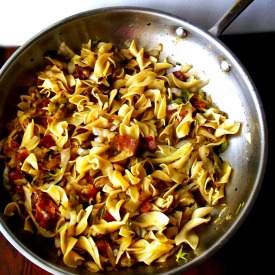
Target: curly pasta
{"x":115,"y":155}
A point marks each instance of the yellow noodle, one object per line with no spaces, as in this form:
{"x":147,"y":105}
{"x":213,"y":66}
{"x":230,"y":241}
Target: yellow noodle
{"x":115,"y":149}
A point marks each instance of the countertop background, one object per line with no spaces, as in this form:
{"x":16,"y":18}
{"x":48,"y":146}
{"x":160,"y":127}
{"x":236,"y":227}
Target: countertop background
{"x":20,"y":20}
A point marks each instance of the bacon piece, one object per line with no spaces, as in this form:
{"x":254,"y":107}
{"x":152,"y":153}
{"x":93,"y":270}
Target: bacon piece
{"x":179,"y":75}
{"x":108,"y":217}
{"x":146,"y":207}
{"x":127,"y":144}
{"x":45,"y":210}
{"x":92,"y":192}
{"x":196,"y":103}
{"x":15,"y":174}
{"x":23,"y":155}
{"x":151,"y":143}
{"x":44,"y":103}
{"x":47,"y":141}
{"x":183,"y":115}
{"x":148,"y":143}
{"x":81,"y":72}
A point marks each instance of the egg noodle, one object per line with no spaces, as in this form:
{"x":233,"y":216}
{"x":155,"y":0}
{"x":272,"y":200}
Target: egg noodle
{"x":115,"y":155}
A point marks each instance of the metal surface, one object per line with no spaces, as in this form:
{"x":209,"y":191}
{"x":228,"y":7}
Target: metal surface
{"x":233,"y":91}
{"x":229,"y":16}
{"x":258,"y":17}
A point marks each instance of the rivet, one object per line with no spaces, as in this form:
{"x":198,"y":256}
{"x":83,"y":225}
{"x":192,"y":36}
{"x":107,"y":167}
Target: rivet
{"x":225,"y":66}
{"x":180,"y":32}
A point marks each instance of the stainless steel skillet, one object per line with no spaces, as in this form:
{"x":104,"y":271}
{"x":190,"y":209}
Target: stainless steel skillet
{"x":230,"y":86}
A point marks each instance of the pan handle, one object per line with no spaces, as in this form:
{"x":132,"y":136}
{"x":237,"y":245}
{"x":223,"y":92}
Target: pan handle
{"x":229,"y":16}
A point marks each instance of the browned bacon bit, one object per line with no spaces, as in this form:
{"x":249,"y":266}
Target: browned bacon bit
{"x":42,"y":120}
{"x":15,"y":174}
{"x":108,"y":217}
{"x":92,"y":192}
{"x":103,"y":87}
{"x":179,"y":75}
{"x":14,"y":144}
{"x":81,"y":72}
{"x":196,"y":103}
{"x":93,"y":189}
{"x":47,"y":141}
{"x":146,"y":207}
{"x":147,"y":143}
{"x":105,"y":250}
{"x":211,"y":130}
{"x":101,"y":245}
{"x":151,"y":143}
{"x":46,"y":211}
{"x":183,"y":115}
{"x":53,"y":163}
{"x":126,"y":144}
{"x":80,"y":131}
{"x":44,"y":103}
{"x":23,"y":155}
{"x":71,"y":129}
